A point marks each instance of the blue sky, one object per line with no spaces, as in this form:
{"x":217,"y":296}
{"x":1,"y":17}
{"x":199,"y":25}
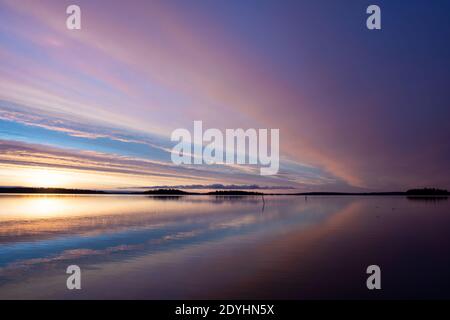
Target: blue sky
{"x":356,"y":109}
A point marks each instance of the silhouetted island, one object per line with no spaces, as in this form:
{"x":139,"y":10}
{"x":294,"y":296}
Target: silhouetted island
{"x":429,"y":192}
{"x":162,"y":192}
{"x":212,"y":193}
{"x":24,"y":190}
{"x":170,"y":192}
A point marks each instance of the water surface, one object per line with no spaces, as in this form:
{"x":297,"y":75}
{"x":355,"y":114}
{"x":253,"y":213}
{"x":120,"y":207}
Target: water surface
{"x":207,"y":247}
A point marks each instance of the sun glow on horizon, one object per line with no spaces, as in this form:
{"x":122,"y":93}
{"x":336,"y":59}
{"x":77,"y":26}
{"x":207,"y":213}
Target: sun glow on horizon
{"x":47,"y":178}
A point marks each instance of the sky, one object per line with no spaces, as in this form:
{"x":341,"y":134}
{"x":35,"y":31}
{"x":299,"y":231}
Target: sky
{"x":357,"y":109}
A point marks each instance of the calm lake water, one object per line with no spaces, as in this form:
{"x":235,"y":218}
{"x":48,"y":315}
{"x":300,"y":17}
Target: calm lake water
{"x":207,"y":247}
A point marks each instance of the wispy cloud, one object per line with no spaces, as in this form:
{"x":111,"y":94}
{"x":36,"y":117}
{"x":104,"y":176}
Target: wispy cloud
{"x":127,"y":171}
